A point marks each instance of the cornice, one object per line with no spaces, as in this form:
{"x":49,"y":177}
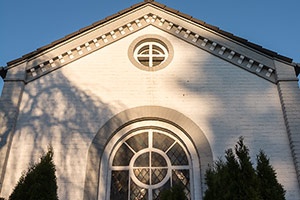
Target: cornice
{"x":166,"y":9}
{"x":220,"y":50}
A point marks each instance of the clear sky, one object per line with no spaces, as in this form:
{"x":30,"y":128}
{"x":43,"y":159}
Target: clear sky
{"x":28,"y":25}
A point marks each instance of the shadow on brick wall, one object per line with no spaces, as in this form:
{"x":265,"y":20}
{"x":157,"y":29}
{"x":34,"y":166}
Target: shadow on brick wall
{"x":53,"y":111}
{"x":237,"y":103}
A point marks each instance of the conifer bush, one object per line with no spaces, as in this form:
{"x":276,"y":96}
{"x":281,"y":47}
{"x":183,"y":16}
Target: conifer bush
{"x":39,"y":182}
{"x":236,"y":179}
{"x":269,"y":186}
{"x":174,"y":193}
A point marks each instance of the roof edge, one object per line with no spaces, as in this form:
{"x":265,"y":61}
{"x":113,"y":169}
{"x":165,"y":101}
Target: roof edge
{"x":162,"y":6}
{"x":297,"y":69}
{"x":3,"y":72}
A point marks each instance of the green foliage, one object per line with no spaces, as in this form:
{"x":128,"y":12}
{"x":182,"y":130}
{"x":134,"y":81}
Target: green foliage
{"x":269,"y":187}
{"x":236,"y":179}
{"x":175,"y":193}
{"x":39,"y":182}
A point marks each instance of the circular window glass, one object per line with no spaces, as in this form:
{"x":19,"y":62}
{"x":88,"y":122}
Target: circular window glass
{"x":150,"y":52}
{"x":150,"y":167}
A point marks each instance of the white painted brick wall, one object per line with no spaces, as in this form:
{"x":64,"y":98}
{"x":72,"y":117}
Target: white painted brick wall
{"x":66,"y":108}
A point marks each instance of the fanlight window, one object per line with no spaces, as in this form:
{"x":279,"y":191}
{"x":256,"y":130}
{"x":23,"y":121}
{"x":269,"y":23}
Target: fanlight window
{"x":150,"y":54}
{"x":146,"y":163}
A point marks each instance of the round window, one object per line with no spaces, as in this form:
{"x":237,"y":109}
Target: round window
{"x":150,"y":52}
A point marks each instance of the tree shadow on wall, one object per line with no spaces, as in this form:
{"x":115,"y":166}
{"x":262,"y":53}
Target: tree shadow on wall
{"x":233,"y":102}
{"x":54,"y":111}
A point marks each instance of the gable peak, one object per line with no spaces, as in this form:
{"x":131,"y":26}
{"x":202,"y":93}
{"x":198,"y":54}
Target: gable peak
{"x":167,"y":9}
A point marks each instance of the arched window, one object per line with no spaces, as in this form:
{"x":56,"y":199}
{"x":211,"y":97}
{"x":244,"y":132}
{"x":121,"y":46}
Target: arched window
{"x":146,"y":162}
{"x":143,"y":150}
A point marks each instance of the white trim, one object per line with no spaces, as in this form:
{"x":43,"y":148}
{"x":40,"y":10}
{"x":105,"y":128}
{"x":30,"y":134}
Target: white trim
{"x":163,"y":54}
{"x":140,"y":184}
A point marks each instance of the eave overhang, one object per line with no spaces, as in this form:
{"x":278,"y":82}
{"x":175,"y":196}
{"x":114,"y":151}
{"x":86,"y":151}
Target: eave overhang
{"x":297,"y":69}
{"x":118,"y":14}
{"x":173,"y":25}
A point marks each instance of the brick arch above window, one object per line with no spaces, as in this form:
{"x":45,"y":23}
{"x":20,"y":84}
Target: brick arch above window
{"x":134,"y":115}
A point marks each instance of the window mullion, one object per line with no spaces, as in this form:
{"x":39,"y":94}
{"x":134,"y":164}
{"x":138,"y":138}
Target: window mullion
{"x":129,"y":181}
{"x":170,"y":147}
{"x":143,"y":56}
{"x":158,"y":55}
{"x":130,"y":147}
{"x":150,"y":56}
{"x":150,"y":155}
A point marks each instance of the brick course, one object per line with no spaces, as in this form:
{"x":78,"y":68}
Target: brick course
{"x":67,"y":107}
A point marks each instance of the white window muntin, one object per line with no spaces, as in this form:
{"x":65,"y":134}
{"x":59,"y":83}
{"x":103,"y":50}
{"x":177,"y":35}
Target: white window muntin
{"x":169,"y":167}
{"x":150,"y":149}
{"x":137,"y":54}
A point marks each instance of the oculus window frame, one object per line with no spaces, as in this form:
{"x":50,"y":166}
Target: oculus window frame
{"x":150,"y":52}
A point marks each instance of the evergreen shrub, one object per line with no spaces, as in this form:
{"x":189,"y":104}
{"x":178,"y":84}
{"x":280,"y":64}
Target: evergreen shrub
{"x":174,"y":193}
{"x":236,"y":179}
{"x":39,"y":182}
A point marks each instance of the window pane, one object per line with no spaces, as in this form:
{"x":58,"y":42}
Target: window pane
{"x":182,"y":178}
{"x":138,"y":142}
{"x":142,"y":160}
{"x":157,"y":175}
{"x":177,"y":155}
{"x":157,"y":50}
{"x":143,"y":49}
{"x":157,"y":60}
{"x":142,"y":175}
{"x":123,"y":156}
{"x":137,"y":193}
{"x":157,"y":160}
{"x":161,"y":141}
{"x":119,"y":185}
{"x":144,"y":61}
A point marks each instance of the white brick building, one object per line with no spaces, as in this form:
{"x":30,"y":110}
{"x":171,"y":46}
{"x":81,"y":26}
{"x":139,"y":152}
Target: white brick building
{"x":143,"y":98}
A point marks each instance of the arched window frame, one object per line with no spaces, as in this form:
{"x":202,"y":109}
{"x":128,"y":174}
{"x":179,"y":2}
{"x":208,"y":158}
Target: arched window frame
{"x":116,"y":140}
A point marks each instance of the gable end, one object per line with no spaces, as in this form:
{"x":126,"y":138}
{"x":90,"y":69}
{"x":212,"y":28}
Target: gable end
{"x":264,"y":70}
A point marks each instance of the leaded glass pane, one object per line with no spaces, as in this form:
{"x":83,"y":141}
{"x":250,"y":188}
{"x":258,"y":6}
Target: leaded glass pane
{"x":144,"y":61}
{"x":157,"y":160}
{"x":156,"y":192}
{"x":142,"y":160}
{"x":123,"y":156}
{"x":162,"y":141}
{"x":119,"y":185}
{"x":142,"y":175}
{"x":177,"y":155}
{"x":157,"y":50}
{"x":157,"y":60}
{"x":157,"y":175}
{"x":150,"y":167}
{"x":138,"y":142}
{"x":137,"y":193}
{"x":182,"y":177}
{"x":144,"y":50}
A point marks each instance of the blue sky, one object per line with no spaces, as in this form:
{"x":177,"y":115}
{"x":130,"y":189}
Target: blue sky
{"x":28,"y":25}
